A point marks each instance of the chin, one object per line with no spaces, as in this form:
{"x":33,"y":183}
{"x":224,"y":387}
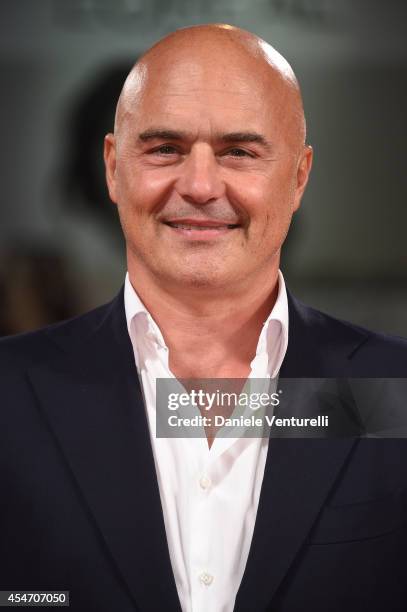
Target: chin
{"x":198,"y":278}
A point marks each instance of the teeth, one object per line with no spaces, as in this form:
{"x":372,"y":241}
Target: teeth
{"x":199,"y":227}
{"x":196,"y":227}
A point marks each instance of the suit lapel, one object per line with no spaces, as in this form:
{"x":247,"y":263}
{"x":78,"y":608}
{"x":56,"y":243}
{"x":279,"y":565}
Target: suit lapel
{"x":92,"y":401}
{"x":298,"y":477}
{"x":299,"y":473}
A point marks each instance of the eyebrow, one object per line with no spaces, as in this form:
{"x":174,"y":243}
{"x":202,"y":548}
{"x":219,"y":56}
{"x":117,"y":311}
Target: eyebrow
{"x":164,"y":134}
{"x":237,"y":137}
{"x":246,"y":137}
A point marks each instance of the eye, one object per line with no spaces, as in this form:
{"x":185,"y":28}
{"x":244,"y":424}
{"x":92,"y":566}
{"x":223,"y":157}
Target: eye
{"x":165,"y":149}
{"x":238,"y":152}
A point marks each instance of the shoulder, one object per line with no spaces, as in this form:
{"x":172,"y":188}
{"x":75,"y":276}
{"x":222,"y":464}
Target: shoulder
{"x":370,"y":353}
{"x":330,"y":326}
{"x":32,"y":348}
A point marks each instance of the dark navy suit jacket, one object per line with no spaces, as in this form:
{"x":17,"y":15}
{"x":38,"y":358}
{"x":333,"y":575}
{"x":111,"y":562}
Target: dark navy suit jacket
{"x":79,"y":501}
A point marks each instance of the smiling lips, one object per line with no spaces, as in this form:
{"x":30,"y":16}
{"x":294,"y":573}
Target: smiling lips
{"x":200,"y":224}
{"x":200,"y":229}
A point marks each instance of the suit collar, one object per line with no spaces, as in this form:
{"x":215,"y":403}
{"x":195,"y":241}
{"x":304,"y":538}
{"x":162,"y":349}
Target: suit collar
{"x":318,"y":345}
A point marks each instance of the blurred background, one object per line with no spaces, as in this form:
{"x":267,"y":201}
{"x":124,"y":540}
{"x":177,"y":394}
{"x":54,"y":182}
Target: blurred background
{"x":63,"y":65}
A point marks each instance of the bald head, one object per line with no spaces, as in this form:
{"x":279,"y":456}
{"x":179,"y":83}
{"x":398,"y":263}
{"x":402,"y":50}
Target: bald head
{"x":221,"y":54}
{"x":209,"y":129}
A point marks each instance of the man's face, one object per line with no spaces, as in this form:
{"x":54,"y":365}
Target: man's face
{"x":206,"y":173}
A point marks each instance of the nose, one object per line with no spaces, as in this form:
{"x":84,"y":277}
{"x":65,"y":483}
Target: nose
{"x":200,"y":178}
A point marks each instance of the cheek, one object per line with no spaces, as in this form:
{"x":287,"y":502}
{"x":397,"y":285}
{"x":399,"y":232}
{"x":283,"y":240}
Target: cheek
{"x":249,"y":193}
{"x":260,"y":196}
{"x":267,"y":200}
{"x":143,"y":190}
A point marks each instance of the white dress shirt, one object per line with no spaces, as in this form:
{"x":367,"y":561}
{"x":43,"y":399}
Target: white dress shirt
{"x":209,"y":497}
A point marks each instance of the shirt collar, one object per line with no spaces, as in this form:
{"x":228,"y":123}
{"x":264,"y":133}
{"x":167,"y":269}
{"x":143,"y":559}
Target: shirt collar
{"x":132,"y":303}
{"x":135,"y":309}
{"x":273,"y":339}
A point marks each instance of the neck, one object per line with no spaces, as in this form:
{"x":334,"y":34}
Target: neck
{"x":210,"y":333}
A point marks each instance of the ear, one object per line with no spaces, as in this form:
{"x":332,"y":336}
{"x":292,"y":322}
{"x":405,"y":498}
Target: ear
{"x":109,"y":154}
{"x":303,"y":171}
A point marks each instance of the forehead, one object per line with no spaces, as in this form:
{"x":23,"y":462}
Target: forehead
{"x":225,"y":96}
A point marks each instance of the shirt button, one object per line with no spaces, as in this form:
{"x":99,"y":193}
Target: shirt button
{"x":205,"y":483}
{"x":206,"y":578}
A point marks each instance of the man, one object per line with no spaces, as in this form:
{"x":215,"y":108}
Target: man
{"x":207,"y":165}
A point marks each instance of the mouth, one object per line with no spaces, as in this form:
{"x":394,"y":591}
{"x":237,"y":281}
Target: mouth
{"x":200,"y":229}
{"x":201,"y":226}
